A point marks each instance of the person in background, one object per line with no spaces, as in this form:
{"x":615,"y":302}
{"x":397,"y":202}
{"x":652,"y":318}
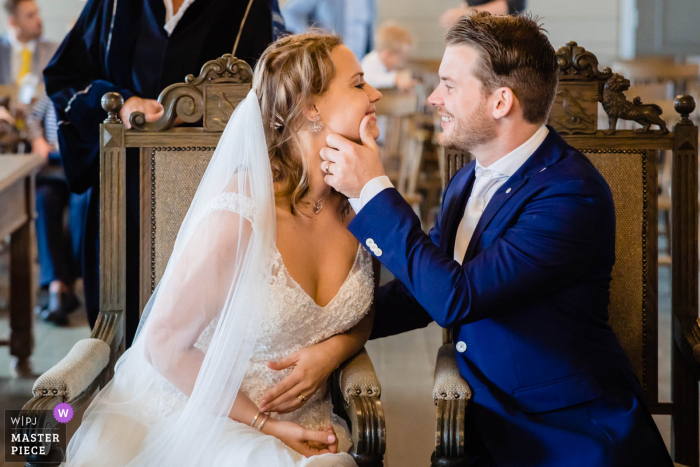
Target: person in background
{"x":384,"y":67}
{"x":59,"y":248}
{"x":495,"y":7}
{"x":137,"y":48}
{"x":23,"y":52}
{"x":354,"y":20}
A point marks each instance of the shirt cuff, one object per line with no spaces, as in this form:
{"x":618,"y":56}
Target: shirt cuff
{"x":369,"y":191}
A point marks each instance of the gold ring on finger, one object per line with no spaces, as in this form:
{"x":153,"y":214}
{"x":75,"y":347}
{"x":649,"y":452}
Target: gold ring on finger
{"x":302,"y":399}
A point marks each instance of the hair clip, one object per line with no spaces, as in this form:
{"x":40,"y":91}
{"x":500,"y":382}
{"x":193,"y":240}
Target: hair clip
{"x":279,"y":122}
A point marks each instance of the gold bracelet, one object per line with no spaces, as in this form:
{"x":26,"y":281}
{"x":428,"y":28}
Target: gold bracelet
{"x":255,"y":419}
{"x":267,"y":416}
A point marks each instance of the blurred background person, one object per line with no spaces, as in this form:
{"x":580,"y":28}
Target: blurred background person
{"x":385,"y":66}
{"x":59,"y":246}
{"x":495,"y":7}
{"x":137,"y":48}
{"x":353,"y":20}
{"x":23,"y":52}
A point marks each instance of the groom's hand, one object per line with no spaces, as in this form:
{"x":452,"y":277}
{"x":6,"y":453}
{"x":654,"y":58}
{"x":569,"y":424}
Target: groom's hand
{"x":351,"y":165}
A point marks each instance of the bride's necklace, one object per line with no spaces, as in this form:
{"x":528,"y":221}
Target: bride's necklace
{"x":318,"y":204}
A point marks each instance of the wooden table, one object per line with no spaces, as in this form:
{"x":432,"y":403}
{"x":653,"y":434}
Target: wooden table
{"x":17,"y":204}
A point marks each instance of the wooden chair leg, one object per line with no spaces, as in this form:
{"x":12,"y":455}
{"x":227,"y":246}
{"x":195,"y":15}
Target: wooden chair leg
{"x":21,"y":300}
{"x":684,"y":443}
{"x":450,"y":442}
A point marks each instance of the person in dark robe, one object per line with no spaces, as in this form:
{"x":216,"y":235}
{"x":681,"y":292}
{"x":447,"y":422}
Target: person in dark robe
{"x":137,"y":48}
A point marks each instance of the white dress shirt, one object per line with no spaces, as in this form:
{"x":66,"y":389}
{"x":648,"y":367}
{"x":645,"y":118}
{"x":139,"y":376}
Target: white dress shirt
{"x":499,"y":172}
{"x":376,"y":73}
{"x":172,"y":18}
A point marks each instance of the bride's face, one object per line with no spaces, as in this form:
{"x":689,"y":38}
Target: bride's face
{"x":349,"y":99}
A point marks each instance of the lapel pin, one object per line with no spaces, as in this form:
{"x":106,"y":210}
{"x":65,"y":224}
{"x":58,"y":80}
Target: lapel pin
{"x":508,"y":190}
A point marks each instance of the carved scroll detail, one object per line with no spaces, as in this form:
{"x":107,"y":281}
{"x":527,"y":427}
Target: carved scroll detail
{"x":187,"y":100}
{"x":575,"y":63}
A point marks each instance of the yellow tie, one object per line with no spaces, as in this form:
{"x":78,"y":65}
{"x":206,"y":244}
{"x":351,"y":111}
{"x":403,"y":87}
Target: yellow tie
{"x":25,"y":64}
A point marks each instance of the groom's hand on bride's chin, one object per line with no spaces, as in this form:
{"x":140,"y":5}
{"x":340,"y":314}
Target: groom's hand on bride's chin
{"x":352,"y":165}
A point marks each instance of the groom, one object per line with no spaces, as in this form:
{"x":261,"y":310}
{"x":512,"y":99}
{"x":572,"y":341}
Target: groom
{"x":518,"y":263}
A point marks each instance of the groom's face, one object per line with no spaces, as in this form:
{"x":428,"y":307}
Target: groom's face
{"x":461,"y":101}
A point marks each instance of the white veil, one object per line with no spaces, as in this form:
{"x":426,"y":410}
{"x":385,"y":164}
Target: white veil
{"x":173,"y":389}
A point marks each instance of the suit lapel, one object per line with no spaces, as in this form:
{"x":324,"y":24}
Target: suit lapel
{"x":456,"y":209}
{"x":547,"y":154}
{"x":506,"y":192}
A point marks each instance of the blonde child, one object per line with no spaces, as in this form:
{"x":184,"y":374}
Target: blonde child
{"x":384,"y":67}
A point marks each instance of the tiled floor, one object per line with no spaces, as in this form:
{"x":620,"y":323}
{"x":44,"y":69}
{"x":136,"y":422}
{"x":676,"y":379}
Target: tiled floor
{"x":403,"y":363}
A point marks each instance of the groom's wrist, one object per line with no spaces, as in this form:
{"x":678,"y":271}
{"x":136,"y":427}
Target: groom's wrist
{"x":369,"y":191}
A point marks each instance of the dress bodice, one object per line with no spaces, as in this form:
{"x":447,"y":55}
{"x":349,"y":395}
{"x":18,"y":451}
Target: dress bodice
{"x":292,"y":321}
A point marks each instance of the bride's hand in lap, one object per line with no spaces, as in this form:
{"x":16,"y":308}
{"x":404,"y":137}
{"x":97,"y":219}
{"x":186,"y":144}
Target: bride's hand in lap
{"x":306,"y":442}
{"x":312,"y":367}
{"x":333,"y":447}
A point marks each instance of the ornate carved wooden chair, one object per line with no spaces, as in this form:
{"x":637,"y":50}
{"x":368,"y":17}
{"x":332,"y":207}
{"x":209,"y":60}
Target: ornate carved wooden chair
{"x":628,"y":161}
{"x":172,"y":162}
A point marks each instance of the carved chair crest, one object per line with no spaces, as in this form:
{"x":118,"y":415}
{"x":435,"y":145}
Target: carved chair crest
{"x":212,"y":96}
{"x":582,"y":85}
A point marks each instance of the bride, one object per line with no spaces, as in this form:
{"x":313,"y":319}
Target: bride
{"x":262,"y":270}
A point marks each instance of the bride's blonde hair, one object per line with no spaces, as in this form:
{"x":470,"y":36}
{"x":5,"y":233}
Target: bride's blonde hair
{"x":289,"y":74}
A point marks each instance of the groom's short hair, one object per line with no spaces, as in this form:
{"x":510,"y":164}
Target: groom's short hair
{"x":515,"y":53}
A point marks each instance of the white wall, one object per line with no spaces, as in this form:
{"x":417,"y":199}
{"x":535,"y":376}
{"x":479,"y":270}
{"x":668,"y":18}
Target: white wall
{"x":57,"y":14}
{"x":594,"y":24}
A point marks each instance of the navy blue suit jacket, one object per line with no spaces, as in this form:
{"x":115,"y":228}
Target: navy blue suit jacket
{"x":552,"y":385}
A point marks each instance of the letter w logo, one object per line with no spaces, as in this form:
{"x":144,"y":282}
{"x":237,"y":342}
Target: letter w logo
{"x":63,"y":413}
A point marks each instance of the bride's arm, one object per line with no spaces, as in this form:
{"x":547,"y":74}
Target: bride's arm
{"x":196,"y":290}
{"x":314,"y":365}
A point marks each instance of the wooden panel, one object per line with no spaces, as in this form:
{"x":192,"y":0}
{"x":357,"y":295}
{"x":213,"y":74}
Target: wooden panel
{"x":623,"y":139}
{"x":684,"y":289}
{"x":220,"y":100}
{"x":112,"y":218}
{"x":575,"y":109}
{"x":146,"y":187}
{"x":14,"y":213}
{"x":176,"y":137}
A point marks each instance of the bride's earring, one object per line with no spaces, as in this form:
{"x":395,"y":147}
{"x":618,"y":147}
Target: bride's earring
{"x":318,"y":126}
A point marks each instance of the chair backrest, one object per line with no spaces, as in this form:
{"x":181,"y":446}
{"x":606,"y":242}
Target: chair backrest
{"x":172,"y":163}
{"x":628,"y":161}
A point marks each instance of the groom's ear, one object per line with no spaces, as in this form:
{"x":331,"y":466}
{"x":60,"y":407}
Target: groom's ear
{"x":503,"y":102}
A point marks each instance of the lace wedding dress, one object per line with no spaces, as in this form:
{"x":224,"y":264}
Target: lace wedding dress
{"x":225,"y":306}
{"x":292,"y":321}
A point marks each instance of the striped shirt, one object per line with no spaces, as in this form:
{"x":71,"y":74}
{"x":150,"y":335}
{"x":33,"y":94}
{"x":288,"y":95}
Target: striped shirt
{"x":42,"y":121}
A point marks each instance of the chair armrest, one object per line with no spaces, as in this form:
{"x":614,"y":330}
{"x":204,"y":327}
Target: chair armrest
{"x":451,"y":394}
{"x":88,"y":366}
{"x":687,"y":337}
{"x":358,"y":386}
{"x":449,"y":384}
{"x":75,"y":372}
{"x":357,"y":377}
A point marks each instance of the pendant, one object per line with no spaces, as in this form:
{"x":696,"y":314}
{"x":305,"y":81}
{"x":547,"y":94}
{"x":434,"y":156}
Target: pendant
{"x":317,"y":207}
